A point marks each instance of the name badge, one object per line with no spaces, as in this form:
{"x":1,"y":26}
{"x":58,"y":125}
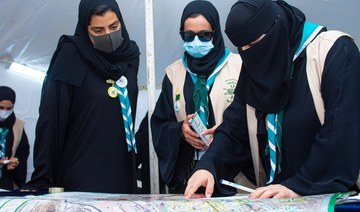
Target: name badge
{"x":122,"y":82}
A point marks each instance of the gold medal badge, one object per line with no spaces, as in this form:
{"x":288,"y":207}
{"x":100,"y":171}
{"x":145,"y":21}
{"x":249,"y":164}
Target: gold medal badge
{"x":112,"y":91}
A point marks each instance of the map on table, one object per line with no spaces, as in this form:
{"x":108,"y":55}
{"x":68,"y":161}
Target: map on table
{"x":86,"y":201}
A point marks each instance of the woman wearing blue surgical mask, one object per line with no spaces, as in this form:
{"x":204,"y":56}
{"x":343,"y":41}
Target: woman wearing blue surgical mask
{"x":197,"y":38}
{"x":81,"y":141}
{"x":14,"y":145}
{"x":197,"y":88}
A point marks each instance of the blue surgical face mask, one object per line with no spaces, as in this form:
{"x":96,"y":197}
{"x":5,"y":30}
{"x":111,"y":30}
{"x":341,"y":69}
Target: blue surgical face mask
{"x":197,"y":48}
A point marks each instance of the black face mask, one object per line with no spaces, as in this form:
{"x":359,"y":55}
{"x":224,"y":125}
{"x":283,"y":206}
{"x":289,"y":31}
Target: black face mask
{"x":265,"y":77}
{"x":108,"y":43}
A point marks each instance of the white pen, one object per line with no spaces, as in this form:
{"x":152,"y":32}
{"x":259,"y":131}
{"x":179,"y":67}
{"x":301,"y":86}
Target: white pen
{"x":234,"y":185}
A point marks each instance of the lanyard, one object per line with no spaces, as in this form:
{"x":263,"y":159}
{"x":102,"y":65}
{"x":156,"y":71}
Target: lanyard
{"x":121,"y":86}
{"x":274,"y":121}
{"x":211,"y":78}
{"x":3,"y":134}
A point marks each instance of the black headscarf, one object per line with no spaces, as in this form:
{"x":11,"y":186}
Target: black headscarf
{"x":265,"y":79}
{"x":6,"y":93}
{"x":109,"y":65}
{"x":205,"y":65}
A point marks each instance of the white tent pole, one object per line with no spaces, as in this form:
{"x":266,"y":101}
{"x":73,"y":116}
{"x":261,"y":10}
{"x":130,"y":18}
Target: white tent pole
{"x":150,"y":70}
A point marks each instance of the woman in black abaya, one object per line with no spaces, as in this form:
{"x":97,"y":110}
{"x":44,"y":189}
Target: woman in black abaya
{"x":81,"y":142}
{"x":305,"y":156}
{"x":14,"y":148}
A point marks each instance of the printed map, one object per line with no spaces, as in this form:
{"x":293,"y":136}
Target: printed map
{"x":83,"y":201}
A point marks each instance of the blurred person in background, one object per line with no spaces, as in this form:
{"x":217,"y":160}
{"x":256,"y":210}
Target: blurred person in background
{"x":14,"y":148}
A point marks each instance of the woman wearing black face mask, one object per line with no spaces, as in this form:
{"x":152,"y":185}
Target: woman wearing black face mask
{"x":81,"y":141}
{"x":201,"y":83}
{"x":14,"y":145}
{"x":303,"y":150}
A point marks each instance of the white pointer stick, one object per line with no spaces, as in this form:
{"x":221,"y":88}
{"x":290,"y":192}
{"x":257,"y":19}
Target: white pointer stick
{"x":234,"y":185}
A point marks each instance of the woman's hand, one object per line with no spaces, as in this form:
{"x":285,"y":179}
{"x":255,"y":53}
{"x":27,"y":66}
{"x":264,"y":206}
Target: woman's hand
{"x":273,"y":191}
{"x":200,"y":178}
{"x":13,"y":163}
{"x":190,"y":136}
{"x":210,"y":132}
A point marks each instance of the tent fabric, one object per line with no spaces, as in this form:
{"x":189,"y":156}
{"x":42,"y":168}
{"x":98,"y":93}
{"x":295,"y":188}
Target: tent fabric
{"x":30,"y":29}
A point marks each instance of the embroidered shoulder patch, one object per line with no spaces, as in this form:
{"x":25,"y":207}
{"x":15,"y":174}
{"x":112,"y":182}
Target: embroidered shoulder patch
{"x":229,"y":89}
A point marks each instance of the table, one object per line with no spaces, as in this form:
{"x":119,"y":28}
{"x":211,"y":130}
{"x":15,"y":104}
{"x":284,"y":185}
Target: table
{"x":86,"y":201}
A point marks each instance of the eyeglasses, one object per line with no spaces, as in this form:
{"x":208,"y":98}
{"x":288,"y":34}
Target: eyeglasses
{"x":203,"y":36}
